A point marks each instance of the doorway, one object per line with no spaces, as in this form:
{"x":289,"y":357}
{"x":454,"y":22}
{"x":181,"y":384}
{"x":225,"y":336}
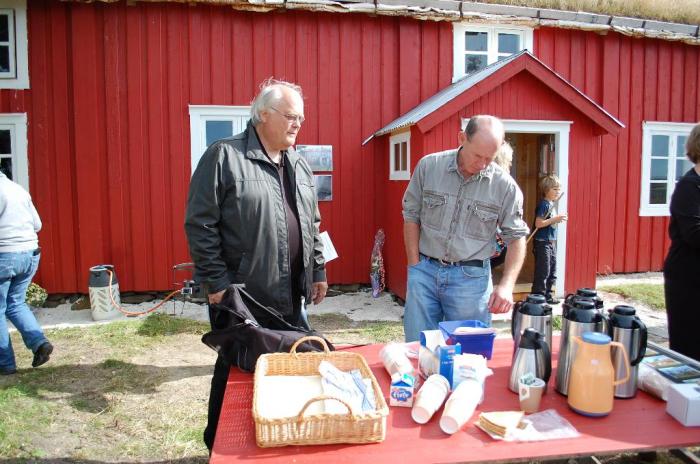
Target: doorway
{"x":533,"y":158}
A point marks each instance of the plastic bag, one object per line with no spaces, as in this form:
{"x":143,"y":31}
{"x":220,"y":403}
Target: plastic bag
{"x":544,"y":425}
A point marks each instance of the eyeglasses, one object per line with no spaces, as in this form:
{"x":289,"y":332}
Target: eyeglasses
{"x":298,"y":118}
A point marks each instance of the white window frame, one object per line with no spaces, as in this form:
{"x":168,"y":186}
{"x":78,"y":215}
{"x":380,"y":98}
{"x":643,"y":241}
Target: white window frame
{"x":18,"y":77}
{"x":673,"y":130}
{"x":199,"y":115}
{"x":525,"y":33}
{"x":398,"y":139}
{"x":16,"y":123}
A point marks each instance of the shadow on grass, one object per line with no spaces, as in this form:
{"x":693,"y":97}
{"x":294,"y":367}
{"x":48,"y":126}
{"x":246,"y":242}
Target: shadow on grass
{"x":87,"y":385}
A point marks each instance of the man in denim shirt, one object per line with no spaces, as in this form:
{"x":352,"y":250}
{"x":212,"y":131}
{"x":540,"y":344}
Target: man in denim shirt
{"x":453,"y":206}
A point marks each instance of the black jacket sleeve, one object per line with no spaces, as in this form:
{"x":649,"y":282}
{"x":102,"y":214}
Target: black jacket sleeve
{"x":685,"y":208}
{"x":202,"y":217}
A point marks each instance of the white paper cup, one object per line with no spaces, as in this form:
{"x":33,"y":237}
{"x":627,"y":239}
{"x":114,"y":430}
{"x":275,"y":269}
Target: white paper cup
{"x":429,"y":398}
{"x":460,"y":406}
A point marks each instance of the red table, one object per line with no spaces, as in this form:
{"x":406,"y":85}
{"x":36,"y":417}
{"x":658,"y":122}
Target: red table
{"x":635,"y":424}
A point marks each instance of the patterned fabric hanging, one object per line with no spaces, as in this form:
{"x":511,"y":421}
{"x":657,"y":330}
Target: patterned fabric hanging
{"x":376,"y":273}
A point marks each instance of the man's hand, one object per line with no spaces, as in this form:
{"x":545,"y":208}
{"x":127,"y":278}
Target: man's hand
{"x":318,"y":291}
{"x":215,"y":298}
{"x":501,"y":299}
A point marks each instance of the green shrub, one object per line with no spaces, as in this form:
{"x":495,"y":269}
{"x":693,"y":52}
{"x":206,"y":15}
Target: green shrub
{"x":36,"y":296}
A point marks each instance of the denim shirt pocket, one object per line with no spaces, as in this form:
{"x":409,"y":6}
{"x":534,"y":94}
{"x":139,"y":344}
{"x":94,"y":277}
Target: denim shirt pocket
{"x":433,"y":210}
{"x":482,"y":221}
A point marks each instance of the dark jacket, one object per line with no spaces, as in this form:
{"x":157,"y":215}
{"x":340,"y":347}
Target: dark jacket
{"x":236,"y":224}
{"x":684,"y":229}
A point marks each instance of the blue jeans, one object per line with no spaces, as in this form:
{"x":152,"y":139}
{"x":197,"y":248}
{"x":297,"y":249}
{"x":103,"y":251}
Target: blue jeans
{"x":16,"y":272}
{"x":439,"y":292}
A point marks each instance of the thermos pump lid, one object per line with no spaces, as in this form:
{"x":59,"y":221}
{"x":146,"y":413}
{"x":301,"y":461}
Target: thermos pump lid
{"x":624,"y":310}
{"x":535,"y":305}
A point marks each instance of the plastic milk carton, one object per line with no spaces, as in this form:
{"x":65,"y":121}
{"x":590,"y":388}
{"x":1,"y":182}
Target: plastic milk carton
{"x":401,"y":390}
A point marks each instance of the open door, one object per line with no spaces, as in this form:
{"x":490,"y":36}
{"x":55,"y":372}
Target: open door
{"x":533,"y":158}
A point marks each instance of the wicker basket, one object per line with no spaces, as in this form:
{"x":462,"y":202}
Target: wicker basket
{"x":317,"y":429}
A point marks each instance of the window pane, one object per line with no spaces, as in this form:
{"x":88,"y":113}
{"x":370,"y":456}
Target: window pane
{"x":6,"y":167}
{"x":657,"y":194}
{"x":659,"y":145}
{"x":397,"y":157}
{"x":4,"y":58}
{"x":404,"y":156}
{"x":474,"y":63}
{"x":217,"y":130}
{"x":682,"y":166}
{"x":680,"y":145}
{"x":476,"y":41}
{"x":4,"y":28}
{"x":508,"y":43}
{"x":659,"y":169}
{"x":5,"y":142}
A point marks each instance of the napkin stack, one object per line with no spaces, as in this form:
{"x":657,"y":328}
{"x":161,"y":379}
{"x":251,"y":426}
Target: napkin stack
{"x":500,"y":423}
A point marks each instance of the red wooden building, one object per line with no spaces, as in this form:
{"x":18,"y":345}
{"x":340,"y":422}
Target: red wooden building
{"x":106,"y":106}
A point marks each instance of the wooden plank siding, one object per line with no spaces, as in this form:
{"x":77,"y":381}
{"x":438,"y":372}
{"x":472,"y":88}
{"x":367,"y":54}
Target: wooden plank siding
{"x":109,"y":142}
{"x":636,"y":80}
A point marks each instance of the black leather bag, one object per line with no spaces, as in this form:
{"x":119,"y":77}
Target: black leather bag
{"x":243,"y":329}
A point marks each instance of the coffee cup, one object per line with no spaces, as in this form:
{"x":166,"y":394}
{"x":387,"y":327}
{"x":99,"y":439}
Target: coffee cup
{"x":461,"y":405}
{"x":429,"y":398}
{"x":531,"y":394}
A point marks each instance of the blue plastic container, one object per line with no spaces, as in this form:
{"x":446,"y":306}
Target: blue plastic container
{"x":471,"y":343}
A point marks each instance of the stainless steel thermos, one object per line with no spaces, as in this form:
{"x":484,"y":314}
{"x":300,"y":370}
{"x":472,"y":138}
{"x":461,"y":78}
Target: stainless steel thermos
{"x":580,"y":316}
{"x":625,"y":327}
{"x":533,"y":312}
{"x":531,"y":356}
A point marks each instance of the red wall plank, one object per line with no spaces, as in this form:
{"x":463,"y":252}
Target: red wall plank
{"x":109,"y":125}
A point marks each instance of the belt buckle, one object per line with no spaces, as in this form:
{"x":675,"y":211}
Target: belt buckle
{"x":446,"y":263}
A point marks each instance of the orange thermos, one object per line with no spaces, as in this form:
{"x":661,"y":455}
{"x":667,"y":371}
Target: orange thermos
{"x":592,"y":381}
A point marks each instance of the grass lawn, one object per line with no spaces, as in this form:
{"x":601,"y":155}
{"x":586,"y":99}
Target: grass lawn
{"x":651,"y":295}
{"x":127,"y":391}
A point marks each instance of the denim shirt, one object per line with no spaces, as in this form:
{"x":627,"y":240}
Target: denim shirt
{"x":459,"y":217}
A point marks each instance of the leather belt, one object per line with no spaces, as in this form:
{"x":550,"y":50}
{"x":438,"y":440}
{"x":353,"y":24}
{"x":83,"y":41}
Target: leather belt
{"x":467,"y":262}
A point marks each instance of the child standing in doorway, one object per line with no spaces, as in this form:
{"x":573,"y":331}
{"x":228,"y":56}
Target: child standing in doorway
{"x":545,"y":247}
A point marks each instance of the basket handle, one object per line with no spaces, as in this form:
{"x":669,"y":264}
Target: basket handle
{"x":323,"y":343}
{"x":300,"y":416}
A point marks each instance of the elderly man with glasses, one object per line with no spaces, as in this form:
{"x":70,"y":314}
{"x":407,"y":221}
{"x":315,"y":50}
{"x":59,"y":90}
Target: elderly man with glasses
{"x":252,"y":218}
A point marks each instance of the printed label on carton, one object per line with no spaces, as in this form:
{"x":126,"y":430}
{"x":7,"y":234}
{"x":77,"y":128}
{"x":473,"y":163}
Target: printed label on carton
{"x":401,"y":390}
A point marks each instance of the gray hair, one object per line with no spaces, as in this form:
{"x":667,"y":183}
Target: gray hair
{"x":504,"y":156}
{"x":270,"y":93}
{"x":475,"y":123}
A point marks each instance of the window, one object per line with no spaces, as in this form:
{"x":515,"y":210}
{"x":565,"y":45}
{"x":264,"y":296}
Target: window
{"x":14,"y":73}
{"x":13,"y":148}
{"x":476,"y":47}
{"x":211,"y":123}
{"x":663,"y":163}
{"x":400,"y":156}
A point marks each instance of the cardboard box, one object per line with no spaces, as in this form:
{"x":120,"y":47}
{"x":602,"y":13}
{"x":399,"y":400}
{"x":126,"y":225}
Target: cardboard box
{"x":435,"y":356}
{"x":684,"y":403}
{"x":401,"y":391}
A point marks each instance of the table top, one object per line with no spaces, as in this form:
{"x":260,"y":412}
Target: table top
{"x":636,"y":424}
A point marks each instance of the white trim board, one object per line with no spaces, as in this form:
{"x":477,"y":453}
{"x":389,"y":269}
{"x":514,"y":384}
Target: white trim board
{"x":17,"y":123}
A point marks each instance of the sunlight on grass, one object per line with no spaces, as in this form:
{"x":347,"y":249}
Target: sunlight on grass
{"x":651,"y":295}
